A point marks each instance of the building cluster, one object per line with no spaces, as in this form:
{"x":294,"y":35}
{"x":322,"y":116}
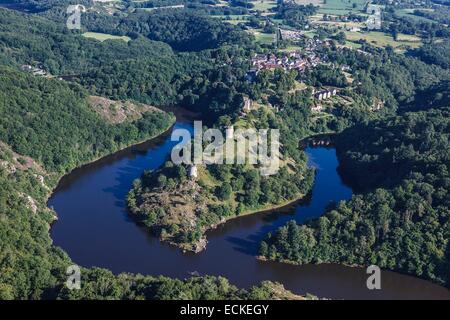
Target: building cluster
{"x":324,"y":94}
{"x":193,"y":172}
{"x":290,"y":61}
{"x":354,"y":29}
{"x":316,"y":108}
{"x":311,"y":45}
{"x":291,"y":35}
{"x":374,"y":19}
{"x":248,"y":105}
{"x":36,"y":71}
{"x":377,"y":105}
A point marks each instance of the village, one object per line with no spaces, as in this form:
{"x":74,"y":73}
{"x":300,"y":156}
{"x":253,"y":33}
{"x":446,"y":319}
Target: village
{"x":288,"y":61}
{"x":307,"y":56}
{"x":294,"y":60}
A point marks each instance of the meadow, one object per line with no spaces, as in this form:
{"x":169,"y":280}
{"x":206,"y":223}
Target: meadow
{"x":104,"y":36}
{"x":339,"y":7}
{"x":380,"y":39}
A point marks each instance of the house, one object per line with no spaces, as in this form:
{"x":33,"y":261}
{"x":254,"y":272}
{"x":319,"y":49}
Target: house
{"x":324,"y":94}
{"x":355,"y":29}
{"x":316,"y":108}
{"x":229,"y":132}
{"x":248,"y":104}
{"x":36,"y":71}
{"x":193,"y":172}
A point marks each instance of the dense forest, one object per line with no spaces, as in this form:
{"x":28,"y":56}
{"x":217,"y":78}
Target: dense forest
{"x":156,"y":75}
{"x":392,"y":110}
{"x":36,"y":111}
{"x":102,"y":284}
{"x":183,"y":31}
{"x":402,"y":221}
{"x":51,"y":128}
{"x":50,"y":121}
{"x":295,"y":15}
{"x":191,"y":29}
{"x":435,"y":53}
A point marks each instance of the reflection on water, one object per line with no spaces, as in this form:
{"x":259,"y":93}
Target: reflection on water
{"x":95,"y":229}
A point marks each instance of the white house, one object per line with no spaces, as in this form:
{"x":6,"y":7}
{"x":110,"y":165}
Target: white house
{"x":229,"y":132}
{"x":193,"y":172}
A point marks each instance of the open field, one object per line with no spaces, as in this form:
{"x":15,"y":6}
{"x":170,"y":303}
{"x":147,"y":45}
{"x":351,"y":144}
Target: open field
{"x":222,"y":3}
{"x":291,"y":49}
{"x":318,"y":19}
{"x":381,"y":39}
{"x":264,"y":5}
{"x":409,"y":14}
{"x":306,"y":2}
{"x":264,"y":38}
{"x":353,"y":45}
{"x":310,"y":33}
{"x":408,"y":38}
{"x":341,"y":6}
{"x":177,"y":6}
{"x":232,"y":19}
{"x":105,"y":36}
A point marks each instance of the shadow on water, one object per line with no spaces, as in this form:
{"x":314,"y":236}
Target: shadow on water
{"x":95,"y":230}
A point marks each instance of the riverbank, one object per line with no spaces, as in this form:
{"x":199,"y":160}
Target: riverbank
{"x":181,"y":209}
{"x":202,"y":244}
{"x":59,"y":177}
{"x":174,"y":207}
{"x":111,"y":240}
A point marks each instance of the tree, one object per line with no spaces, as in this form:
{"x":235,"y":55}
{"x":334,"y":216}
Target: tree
{"x":162,"y":181}
{"x":224,"y":191}
{"x":263,"y":249}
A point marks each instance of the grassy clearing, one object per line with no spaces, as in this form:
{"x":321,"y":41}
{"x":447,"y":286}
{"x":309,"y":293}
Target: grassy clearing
{"x":318,"y":19}
{"x":306,"y":2}
{"x":299,"y":86}
{"x":291,"y":48}
{"x":409,"y":13}
{"x":232,"y":19}
{"x":408,"y":38}
{"x":104,"y":36}
{"x":264,"y":5}
{"x":349,"y":24}
{"x":353,"y":45}
{"x":342,"y":6}
{"x":263,"y":38}
{"x":177,"y":6}
{"x":279,"y":21}
{"x":310,"y":34}
{"x":380,"y":39}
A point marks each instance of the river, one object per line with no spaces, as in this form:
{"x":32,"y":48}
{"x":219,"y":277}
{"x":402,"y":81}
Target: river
{"x":95,"y":230}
